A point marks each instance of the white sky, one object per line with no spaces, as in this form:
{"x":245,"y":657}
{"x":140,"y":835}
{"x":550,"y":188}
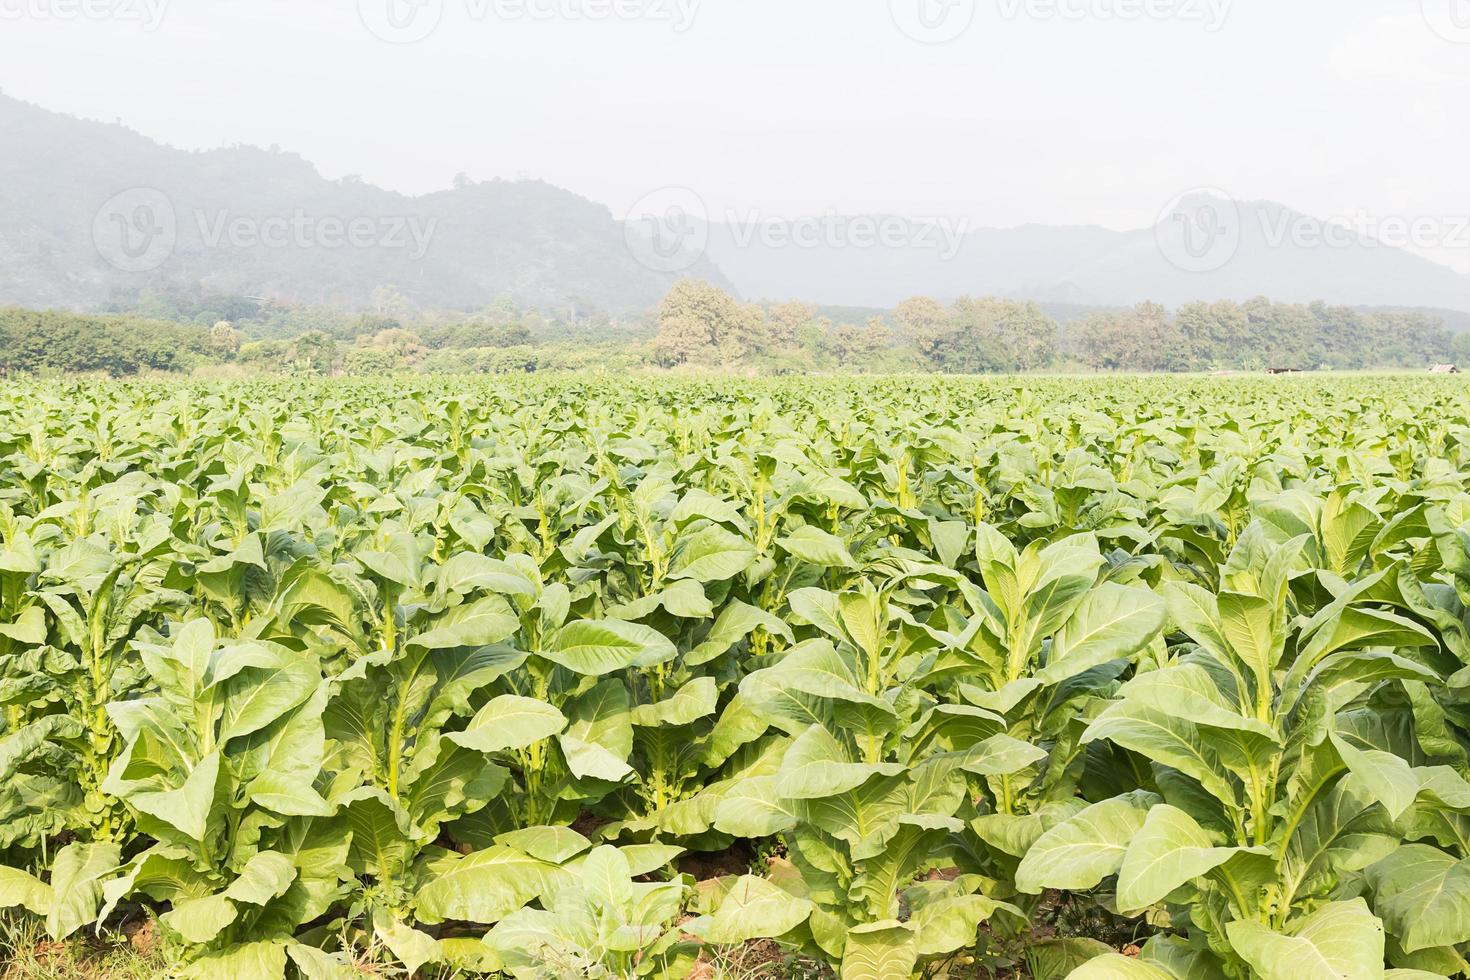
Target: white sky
{"x":798,"y":107}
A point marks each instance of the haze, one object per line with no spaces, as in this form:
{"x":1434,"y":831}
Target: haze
{"x":1064,"y":112}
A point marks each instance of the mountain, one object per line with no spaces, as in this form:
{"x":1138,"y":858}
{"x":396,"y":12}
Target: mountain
{"x":93,"y":212}
{"x":1205,"y":248}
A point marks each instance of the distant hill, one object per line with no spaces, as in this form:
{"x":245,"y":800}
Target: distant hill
{"x":1087,"y":267}
{"x":92,"y":214}
{"x":263,"y":223}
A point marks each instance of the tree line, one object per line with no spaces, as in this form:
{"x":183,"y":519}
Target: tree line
{"x":700,"y":326}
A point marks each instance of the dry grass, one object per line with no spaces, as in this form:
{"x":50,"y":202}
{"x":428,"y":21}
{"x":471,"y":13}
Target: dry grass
{"x":27,"y":954}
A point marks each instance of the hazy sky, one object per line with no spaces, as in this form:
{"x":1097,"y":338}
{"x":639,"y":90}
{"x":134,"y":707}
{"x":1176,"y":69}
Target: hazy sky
{"x":1056,"y":111}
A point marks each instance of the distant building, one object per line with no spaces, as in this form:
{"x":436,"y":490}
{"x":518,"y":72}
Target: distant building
{"x":1444,"y":369}
{"x":1282,"y":370}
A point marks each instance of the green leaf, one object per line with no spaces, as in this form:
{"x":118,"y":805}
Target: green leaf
{"x":17,"y":888}
{"x":1169,"y":851}
{"x":1080,"y":853}
{"x":259,"y":961}
{"x":188,"y":807}
{"x":695,"y":700}
{"x":510,"y":723}
{"x":1113,"y":622}
{"x":711,"y":555}
{"x":483,"y":622}
{"x":1423,"y":897}
{"x":1389,"y":778}
{"x":413,"y":948}
{"x":76,"y":885}
{"x":1339,"y":940}
{"x":879,"y":951}
{"x":753,"y":908}
{"x":595,"y":649}
{"x":816,"y":766}
{"x":265,"y":876}
{"x":1116,"y":967}
{"x":1000,"y":755}
{"x":555,"y":845}
{"x":200,"y":920}
{"x":816,"y":547}
{"x":486,"y":886}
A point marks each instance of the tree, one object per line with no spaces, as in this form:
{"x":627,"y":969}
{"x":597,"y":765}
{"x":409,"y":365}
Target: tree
{"x":699,"y":323}
{"x":786,"y":321}
{"x":979,"y":336}
{"x":405,"y":345}
{"x":316,"y":350}
{"x":387,"y":301}
{"x":224,"y":339}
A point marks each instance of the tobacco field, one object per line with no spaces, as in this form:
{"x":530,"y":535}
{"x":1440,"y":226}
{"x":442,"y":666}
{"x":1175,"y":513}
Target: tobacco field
{"x":617,"y":677}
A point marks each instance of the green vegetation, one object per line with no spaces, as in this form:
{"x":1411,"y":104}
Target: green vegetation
{"x":699,"y":325}
{"x":621,"y":677}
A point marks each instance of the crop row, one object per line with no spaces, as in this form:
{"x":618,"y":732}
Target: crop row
{"x":476,"y":677}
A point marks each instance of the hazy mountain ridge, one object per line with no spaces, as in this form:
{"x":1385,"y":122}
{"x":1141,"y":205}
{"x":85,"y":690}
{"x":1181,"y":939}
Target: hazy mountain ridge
{"x":537,"y":245}
{"x":550,"y":249}
{"x":1090,"y":266}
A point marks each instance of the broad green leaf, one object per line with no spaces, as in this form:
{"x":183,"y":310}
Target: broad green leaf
{"x":486,"y":886}
{"x":1423,"y":896}
{"x":483,"y":622}
{"x":594,"y":649}
{"x":200,"y":920}
{"x":1341,"y":939}
{"x":76,"y":885}
{"x":816,"y":547}
{"x":1113,"y":622}
{"x":1169,"y":851}
{"x":1079,"y":853}
{"x":711,"y":555}
{"x":753,"y":908}
{"x":879,"y":951}
{"x":1116,"y":967}
{"x":510,"y":722}
{"x":18,"y":888}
